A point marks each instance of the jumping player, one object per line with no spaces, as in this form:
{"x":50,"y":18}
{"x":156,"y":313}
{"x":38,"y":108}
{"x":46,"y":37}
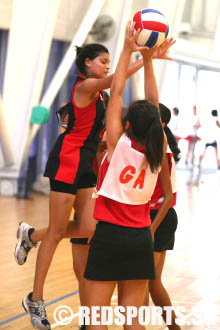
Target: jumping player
{"x":70,"y":168}
{"x":70,"y":171}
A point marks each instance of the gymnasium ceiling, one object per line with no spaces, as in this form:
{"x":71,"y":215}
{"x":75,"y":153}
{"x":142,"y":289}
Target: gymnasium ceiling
{"x":199,"y":18}
{"x":196,"y":33}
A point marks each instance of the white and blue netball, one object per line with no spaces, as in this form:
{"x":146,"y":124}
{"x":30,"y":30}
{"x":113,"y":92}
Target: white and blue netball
{"x":153,"y":25}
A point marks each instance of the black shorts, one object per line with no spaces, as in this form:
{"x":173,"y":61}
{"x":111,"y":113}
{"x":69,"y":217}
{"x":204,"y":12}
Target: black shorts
{"x":164,"y":236}
{"x":120,"y":253}
{"x":86,"y":181}
{"x":81,"y":241}
{"x":213,"y":144}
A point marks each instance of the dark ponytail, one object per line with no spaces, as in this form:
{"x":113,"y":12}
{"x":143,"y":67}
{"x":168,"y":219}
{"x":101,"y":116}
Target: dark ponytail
{"x":90,"y":51}
{"x":165,"y":114}
{"x":154,"y":142}
{"x":172,"y":143}
{"x":145,"y":128}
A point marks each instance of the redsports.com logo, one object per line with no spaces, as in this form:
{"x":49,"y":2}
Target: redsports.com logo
{"x":199,"y":315}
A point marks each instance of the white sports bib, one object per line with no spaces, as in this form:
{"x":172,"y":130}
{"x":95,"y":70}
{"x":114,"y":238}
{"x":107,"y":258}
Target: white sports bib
{"x":128,"y":180}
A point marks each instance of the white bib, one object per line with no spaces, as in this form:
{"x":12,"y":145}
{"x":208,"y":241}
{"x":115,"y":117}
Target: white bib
{"x":128,"y":180}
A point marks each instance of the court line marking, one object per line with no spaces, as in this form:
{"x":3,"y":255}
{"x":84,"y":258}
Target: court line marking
{"x":11,"y":319}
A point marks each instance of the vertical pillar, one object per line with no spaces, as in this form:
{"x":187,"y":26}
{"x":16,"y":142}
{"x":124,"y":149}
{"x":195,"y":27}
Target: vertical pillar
{"x":31,"y":32}
{"x":4,"y":139}
{"x":30,"y":37}
{"x":63,"y":69}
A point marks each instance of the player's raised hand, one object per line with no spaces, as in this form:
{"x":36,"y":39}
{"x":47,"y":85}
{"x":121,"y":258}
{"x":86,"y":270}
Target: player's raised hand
{"x":161,"y":52}
{"x":131,"y":36}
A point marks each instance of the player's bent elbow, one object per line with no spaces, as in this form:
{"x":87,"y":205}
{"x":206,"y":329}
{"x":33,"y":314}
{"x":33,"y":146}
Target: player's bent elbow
{"x":169,"y":197}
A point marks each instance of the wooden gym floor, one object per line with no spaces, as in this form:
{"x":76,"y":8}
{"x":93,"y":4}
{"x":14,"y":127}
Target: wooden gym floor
{"x":191,"y":274}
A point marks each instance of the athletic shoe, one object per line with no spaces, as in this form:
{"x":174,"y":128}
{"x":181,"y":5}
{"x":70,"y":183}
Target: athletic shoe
{"x":37,"y":313}
{"x":24,"y":244}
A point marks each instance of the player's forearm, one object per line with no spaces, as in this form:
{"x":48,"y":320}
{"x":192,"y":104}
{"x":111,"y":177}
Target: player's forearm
{"x":120,"y":75}
{"x":150,"y":84}
{"x":134,"y":67}
{"x":168,"y":199}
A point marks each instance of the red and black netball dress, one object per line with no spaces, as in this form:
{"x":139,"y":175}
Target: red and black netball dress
{"x":164,"y":236}
{"x":71,"y":159}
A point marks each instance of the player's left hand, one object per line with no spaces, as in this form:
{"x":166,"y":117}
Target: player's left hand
{"x":161,"y":52}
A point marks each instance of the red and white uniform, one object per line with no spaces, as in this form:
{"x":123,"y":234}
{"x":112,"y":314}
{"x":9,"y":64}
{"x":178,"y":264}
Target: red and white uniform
{"x":125,"y":186}
{"x":158,"y":197}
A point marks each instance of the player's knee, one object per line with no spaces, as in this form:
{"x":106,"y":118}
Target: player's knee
{"x":57,"y":234}
{"x":87,"y":229}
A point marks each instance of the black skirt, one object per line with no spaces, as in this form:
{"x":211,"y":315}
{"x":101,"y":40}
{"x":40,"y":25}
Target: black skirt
{"x":164,"y":236}
{"x":120,"y":253}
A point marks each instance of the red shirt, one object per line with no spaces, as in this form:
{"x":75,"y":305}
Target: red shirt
{"x":109,"y":210}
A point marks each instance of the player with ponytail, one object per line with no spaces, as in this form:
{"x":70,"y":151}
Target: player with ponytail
{"x":121,"y":250}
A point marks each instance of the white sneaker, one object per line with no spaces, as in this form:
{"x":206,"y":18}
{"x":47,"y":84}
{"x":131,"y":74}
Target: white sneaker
{"x":37,"y":312}
{"x":24,"y":244}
